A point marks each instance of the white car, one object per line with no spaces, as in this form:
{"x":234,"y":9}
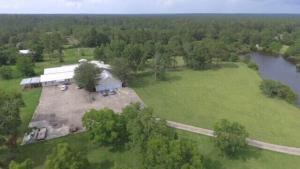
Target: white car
{"x":63,"y":87}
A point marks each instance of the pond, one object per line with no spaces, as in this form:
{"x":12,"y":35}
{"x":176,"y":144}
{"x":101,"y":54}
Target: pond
{"x":277,"y":68}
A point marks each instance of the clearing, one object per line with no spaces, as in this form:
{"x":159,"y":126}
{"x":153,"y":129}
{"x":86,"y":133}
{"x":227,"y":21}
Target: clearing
{"x":201,"y":98}
{"x":59,"y":111}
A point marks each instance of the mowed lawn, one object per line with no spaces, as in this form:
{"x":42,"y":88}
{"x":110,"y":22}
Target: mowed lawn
{"x":104,"y":157}
{"x":252,"y":159}
{"x":201,"y":98}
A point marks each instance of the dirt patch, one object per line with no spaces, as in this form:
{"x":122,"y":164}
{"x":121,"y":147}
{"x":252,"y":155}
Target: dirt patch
{"x":59,"y":111}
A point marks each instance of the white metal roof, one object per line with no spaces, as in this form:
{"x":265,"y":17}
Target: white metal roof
{"x":62,"y":69}
{"x":82,"y":60}
{"x":33,"y":80}
{"x":101,"y":64}
{"x":105,"y":74}
{"x":57,"y":77}
{"x":66,"y":72}
{"x":24,"y":52}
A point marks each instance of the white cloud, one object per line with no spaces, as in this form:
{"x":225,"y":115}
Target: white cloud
{"x":168,"y":2}
{"x":149,"y":6}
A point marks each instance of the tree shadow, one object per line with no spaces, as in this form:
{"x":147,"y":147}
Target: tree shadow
{"x":171,"y":78}
{"x":249,"y":153}
{"x":246,"y":154}
{"x":107,"y":164}
{"x":147,"y":78}
{"x":120,"y":149}
{"x":224,"y":65}
{"x":212,"y":164}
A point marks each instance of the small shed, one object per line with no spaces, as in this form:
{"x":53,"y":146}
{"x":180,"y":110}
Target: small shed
{"x":24,"y":52}
{"x":31,"y":82}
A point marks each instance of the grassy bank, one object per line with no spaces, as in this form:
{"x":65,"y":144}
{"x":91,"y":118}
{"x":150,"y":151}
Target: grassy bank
{"x":201,"y":98}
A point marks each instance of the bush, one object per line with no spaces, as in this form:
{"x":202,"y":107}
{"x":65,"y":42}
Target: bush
{"x":27,"y":164}
{"x":230,"y":137}
{"x":233,"y":58}
{"x":298,"y":67}
{"x":6,"y":72}
{"x":252,"y":65}
{"x":276,"y":89}
{"x":63,"y":157}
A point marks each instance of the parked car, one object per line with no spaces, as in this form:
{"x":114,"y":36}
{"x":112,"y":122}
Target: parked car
{"x":63,"y":87}
{"x":112,"y":92}
{"x":104,"y":93}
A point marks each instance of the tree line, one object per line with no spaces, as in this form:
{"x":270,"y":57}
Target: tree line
{"x":138,"y":130}
{"x":139,"y":42}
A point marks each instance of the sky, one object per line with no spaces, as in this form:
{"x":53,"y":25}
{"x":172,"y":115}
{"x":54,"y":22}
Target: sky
{"x":148,"y":6}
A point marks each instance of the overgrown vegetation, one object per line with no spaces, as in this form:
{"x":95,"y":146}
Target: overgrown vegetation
{"x":27,"y":164}
{"x":276,"y":89}
{"x":63,"y":157}
{"x":10,"y":104}
{"x":149,"y":136}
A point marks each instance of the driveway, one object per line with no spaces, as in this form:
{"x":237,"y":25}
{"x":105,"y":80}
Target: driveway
{"x":59,"y":111}
{"x":251,"y":142}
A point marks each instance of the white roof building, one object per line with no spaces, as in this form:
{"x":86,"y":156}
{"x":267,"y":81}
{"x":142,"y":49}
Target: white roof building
{"x":31,"y":82}
{"x":64,"y":73}
{"x":24,"y":52}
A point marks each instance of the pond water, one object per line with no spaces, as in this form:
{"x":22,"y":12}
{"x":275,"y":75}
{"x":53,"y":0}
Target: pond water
{"x":277,"y":68}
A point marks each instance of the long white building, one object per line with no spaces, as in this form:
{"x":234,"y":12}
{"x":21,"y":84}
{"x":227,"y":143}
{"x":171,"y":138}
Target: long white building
{"x":65,"y":74}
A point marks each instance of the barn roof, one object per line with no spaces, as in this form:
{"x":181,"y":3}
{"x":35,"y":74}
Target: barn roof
{"x":33,"y":80}
{"x":24,"y":52}
{"x":66,"y":72}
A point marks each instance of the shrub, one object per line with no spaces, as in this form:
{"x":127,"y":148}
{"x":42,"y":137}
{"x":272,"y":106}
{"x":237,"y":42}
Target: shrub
{"x":6,"y":72}
{"x":252,"y":65}
{"x":276,"y":89}
{"x":27,"y":164}
{"x":63,"y":157}
{"x":233,"y":58}
{"x":298,"y":67}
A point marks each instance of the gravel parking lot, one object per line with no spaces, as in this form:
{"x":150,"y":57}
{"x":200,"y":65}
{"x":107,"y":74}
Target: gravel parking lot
{"x":59,"y":111}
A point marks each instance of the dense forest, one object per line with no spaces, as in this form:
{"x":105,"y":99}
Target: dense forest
{"x":154,"y":40}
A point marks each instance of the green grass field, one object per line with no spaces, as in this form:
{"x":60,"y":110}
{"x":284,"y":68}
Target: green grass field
{"x":71,"y":56}
{"x":195,"y":97}
{"x":201,"y":98}
{"x":252,"y":159}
